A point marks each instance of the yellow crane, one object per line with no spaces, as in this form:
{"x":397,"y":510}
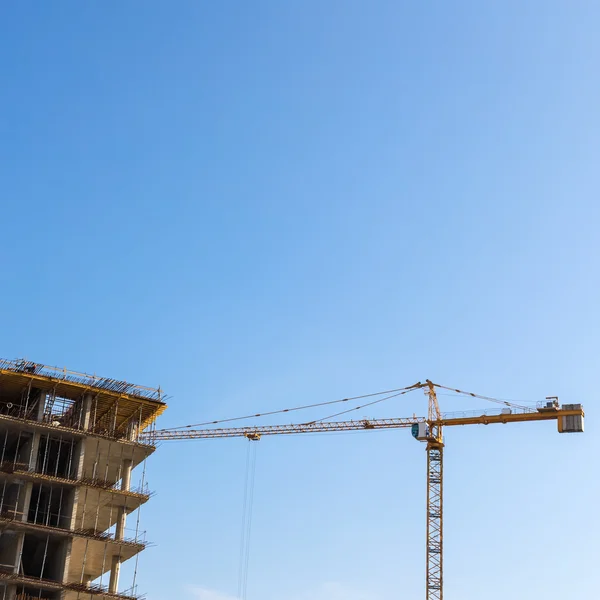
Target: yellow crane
{"x":570,"y":419}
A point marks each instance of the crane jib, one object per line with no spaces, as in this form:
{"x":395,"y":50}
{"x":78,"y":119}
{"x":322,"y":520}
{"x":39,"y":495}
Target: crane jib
{"x":569,"y":420}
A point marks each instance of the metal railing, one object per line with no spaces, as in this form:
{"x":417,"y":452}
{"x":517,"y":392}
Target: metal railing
{"x":19,"y":413}
{"x":93,"y":381}
{"x":131,"y":537}
{"x":20,"y":468}
{"x":52,"y":584}
{"x":465,"y":414}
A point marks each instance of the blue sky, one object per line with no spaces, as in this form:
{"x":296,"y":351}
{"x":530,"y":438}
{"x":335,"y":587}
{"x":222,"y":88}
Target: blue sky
{"x":261,"y":205}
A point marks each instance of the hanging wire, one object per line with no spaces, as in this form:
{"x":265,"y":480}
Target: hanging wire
{"x":246,"y":531}
{"x":285,"y":410}
{"x":480,"y":397}
{"x":137,"y":531}
{"x":250,"y":514}
{"x":243,"y":530}
{"x":406,"y":391}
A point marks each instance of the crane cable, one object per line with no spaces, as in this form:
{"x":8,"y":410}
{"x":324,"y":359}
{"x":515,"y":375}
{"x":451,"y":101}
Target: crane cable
{"x":285,"y":410}
{"x":248,"y":505}
{"x":417,"y":386}
{"x":390,"y":394}
{"x":510,"y":403}
{"x":405,"y":391}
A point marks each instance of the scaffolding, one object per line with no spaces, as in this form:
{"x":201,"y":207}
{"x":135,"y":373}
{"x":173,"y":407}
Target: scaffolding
{"x":69,"y":443}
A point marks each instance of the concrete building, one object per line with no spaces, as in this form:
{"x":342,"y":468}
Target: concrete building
{"x":68,"y":445}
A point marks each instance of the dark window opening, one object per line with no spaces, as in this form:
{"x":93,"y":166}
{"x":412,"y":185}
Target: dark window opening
{"x":10,"y":494}
{"x":42,"y":557}
{"x":55,"y":456}
{"x":15,"y":449}
{"x":48,"y":505}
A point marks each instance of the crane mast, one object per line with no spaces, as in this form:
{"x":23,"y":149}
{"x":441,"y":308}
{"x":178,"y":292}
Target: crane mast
{"x":429,"y":430}
{"x":435,"y":501}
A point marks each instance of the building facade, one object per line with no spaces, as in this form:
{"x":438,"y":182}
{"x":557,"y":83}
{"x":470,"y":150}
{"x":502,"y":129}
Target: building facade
{"x":69,"y":444}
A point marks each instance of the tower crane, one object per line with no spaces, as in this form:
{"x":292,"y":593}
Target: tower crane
{"x":569,"y":417}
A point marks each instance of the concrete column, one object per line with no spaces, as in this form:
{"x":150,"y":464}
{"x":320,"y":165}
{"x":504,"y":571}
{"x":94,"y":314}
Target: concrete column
{"x":69,"y":508}
{"x":126,"y":480}
{"x":65,"y":551}
{"x":38,"y":415}
{"x":121,"y":522}
{"x":28,"y":454}
{"x":31,"y":451}
{"x":20,"y":542}
{"x":9,"y":592}
{"x":86,"y":412}
{"x":78,"y":456}
{"x":115,"y":569}
{"x":34,"y":451}
{"x":24,"y":500}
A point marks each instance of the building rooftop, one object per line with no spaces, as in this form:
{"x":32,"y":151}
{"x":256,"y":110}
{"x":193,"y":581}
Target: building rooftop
{"x":122,"y":400}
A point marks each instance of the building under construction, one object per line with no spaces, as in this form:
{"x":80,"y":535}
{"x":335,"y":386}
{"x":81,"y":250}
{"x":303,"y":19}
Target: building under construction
{"x":69,"y":443}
